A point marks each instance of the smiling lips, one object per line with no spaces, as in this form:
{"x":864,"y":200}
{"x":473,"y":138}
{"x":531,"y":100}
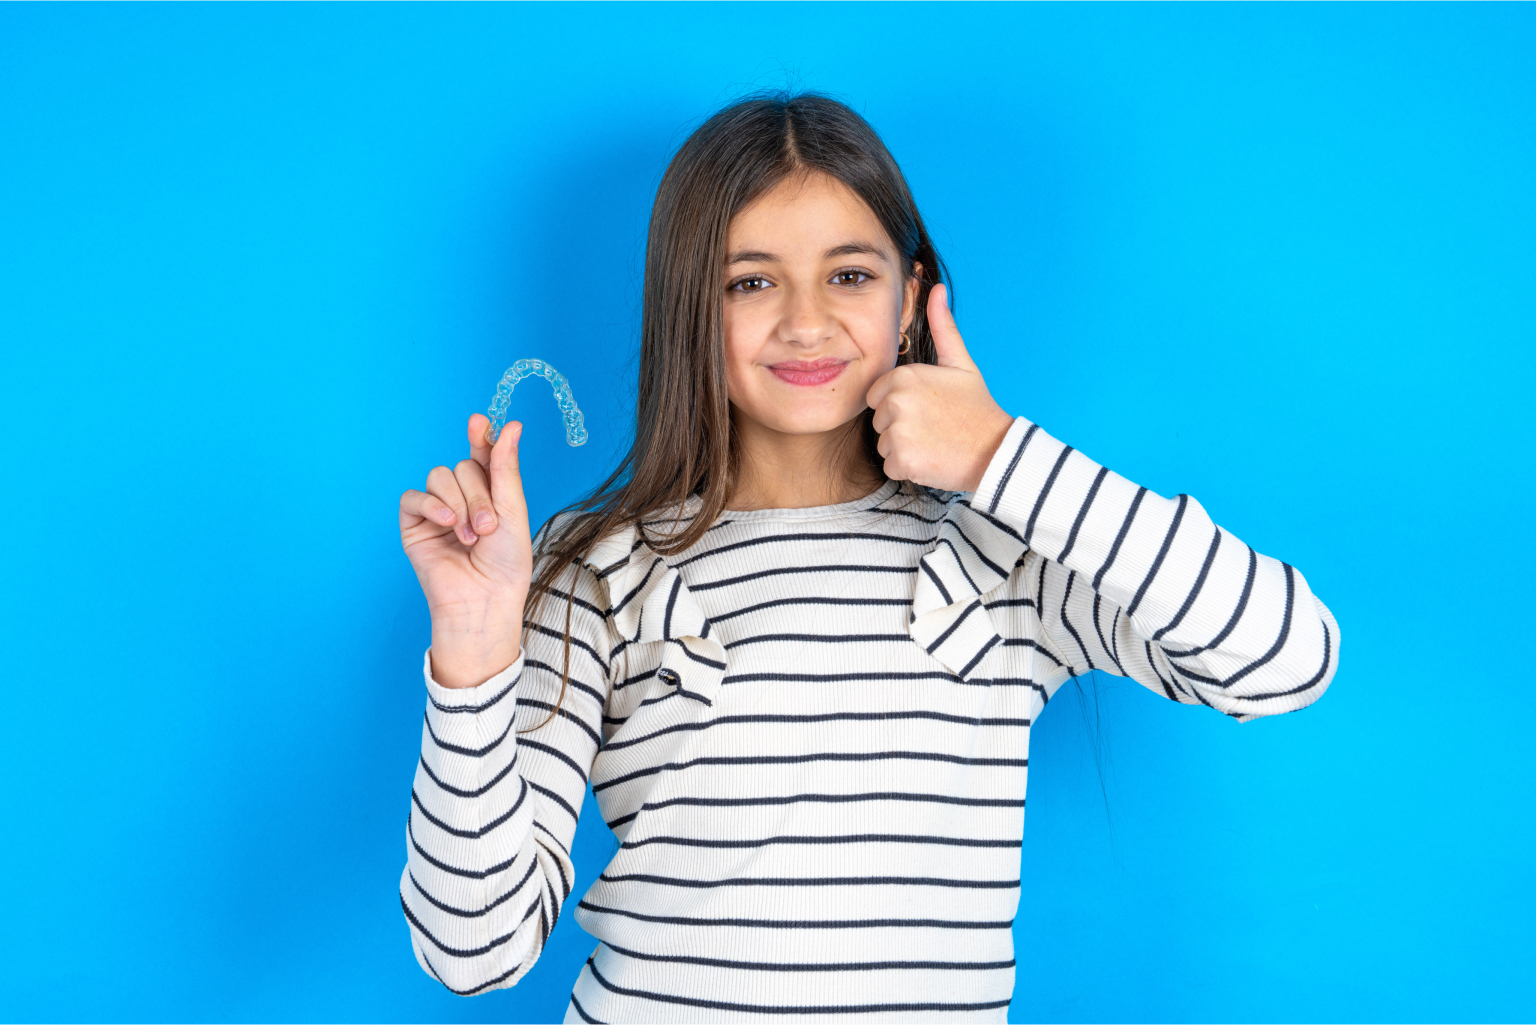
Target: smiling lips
{"x":808,"y":373}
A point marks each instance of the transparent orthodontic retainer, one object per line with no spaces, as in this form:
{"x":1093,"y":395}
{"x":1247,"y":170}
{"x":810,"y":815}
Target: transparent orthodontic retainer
{"x":575,"y":426}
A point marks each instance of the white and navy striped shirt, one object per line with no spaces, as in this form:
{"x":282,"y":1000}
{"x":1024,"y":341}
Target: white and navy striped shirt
{"x":810,"y":733}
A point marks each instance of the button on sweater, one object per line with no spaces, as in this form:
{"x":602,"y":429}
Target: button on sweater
{"x":810,"y":733}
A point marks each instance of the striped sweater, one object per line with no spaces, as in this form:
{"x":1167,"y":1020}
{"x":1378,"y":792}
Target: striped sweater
{"x":810,"y":733}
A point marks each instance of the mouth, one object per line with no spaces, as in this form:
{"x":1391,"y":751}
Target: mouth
{"x":808,"y":373}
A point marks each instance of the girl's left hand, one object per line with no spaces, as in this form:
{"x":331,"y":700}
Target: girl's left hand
{"x":939,"y":425}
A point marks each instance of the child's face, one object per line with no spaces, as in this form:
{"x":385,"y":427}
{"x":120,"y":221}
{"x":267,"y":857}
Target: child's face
{"x":815,"y":302}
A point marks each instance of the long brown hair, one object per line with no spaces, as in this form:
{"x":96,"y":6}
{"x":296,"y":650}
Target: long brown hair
{"x":683,"y":443}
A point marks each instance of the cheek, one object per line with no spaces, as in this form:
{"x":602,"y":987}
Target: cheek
{"x":742,"y":336}
{"x":874,"y":330}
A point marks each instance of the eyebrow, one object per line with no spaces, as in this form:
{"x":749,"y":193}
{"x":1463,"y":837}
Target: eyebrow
{"x":854,"y":248}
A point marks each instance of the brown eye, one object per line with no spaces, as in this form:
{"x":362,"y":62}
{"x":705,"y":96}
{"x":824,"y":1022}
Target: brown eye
{"x":750,"y":285}
{"x":850,"y":277}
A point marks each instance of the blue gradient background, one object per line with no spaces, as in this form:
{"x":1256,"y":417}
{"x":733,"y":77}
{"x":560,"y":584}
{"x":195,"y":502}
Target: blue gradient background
{"x":257,"y":263}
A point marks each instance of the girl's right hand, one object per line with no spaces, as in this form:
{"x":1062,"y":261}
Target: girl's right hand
{"x":467,"y":538}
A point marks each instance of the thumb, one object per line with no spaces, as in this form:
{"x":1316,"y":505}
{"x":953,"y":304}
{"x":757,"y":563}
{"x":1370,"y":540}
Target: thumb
{"x":947,"y":344}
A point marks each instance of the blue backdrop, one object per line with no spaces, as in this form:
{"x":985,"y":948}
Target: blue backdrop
{"x":257,"y":264}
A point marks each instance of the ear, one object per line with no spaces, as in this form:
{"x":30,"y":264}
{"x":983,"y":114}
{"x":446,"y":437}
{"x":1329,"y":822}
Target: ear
{"x":909,"y":292}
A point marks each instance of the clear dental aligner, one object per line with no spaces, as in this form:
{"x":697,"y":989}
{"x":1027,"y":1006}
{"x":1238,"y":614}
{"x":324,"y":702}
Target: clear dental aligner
{"x":575,"y":427}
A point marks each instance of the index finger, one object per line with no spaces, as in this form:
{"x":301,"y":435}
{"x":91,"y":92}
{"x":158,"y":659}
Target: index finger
{"x":881,"y":388}
{"x":480,"y":439}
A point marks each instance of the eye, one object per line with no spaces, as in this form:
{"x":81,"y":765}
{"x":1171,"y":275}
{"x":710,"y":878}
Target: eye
{"x":751,"y":283}
{"x":850,"y":277}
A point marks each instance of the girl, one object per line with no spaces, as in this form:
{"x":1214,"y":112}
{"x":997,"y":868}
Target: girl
{"x":797,"y":640}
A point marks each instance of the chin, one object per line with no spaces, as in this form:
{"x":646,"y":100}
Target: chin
{"x":817,"y":421}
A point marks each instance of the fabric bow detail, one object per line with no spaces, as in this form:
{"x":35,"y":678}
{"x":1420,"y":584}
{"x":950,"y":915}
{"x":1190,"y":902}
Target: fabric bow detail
{"x":973,"y":555}
{"x":648,"y":601}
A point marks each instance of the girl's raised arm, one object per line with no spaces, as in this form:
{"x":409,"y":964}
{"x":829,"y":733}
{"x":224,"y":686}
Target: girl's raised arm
{"x":1148,"y":587}
{"x":502,"y":773}
{"x":1123,"y":580}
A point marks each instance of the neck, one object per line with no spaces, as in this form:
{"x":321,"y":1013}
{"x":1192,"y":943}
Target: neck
{"x":798,"y":471}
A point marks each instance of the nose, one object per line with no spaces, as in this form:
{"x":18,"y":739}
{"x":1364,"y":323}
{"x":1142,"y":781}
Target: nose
{"x":806,"y":322}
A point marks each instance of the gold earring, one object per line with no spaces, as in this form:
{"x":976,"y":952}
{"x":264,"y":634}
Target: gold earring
{"x":905,"y":346}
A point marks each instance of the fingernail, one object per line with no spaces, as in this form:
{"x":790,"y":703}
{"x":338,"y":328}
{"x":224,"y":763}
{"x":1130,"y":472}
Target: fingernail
{"x":470,"y":537}
{"x":484,"y":523}
{"x":446,"y":515}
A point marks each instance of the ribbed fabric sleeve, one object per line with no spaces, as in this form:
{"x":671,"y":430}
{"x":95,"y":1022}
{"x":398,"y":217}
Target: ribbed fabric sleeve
{"x":493,"y":810}
{"x":1148,"y":587}
{"x":810,"y":735}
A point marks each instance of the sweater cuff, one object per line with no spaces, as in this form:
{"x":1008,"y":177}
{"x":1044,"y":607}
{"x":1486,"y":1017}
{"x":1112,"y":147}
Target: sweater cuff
{"x":1041,"y":487}
{"x":470,"y":699}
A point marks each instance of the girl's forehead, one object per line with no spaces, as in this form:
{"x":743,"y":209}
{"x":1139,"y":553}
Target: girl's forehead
{"x":813,"y":212}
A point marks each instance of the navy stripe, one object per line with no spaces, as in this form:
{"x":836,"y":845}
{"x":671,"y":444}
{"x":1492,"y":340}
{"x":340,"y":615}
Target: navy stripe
{"x":722,"y":1005}
{"x":994,"y":567}
{"x":466,"y":873}
{"x":834,"y":677}
{"x":1237,"y":613}
{"x":937,"y":582}
{"x":780,"y":571}
{"x":634,"y":591}
{"x":1066,"y":594}
{"x":780,"y":602}
{"x":960,"y":564}
{"x":1082,"y":514}
{"x":562,"y":802}
{"x":581,"y":1012}
{"x":830,"y":756}
{"x":787,"y":923}
{"x":463,"y":952}
{"x":965,"y":670}
{"x":546,"y":707}
{"x":780,"y":966}
{"x":472,"y":709}
{"x":1013,"y":463}
{"x":1162,"y":553}
{"x":478,"y":791}
{"x":576,"y":642}
{"x":712,"y":884}
{"x":1308,"y":685}
{"x":892,"y":795}
{"x":533,"y":863}
{"x":819,"y":639}
{"x":730,"y":720}
{"x":468,"y":752}
{"x":1050,"y":482}
{"x":1194,"y":592}
{"x":1125,"y":528}
{"x":560,"y":674}
{"x":817,"y":841}
{"x":843,"y":535}
{"x":961,"y":618}
{"x":556,"y":754}
{"x":471,"y":834}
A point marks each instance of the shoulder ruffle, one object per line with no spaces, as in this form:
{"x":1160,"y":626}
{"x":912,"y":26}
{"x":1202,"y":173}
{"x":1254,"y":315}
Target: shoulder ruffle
{"x":648,"y":601}
{"x":973,"y":555}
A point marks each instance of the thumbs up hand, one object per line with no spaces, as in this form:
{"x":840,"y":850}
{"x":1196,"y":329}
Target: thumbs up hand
{"x":939,"y":425}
